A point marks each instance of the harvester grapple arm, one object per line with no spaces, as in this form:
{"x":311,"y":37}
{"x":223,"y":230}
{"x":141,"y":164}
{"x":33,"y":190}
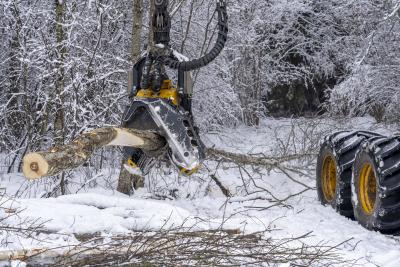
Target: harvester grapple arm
{"x":215,"y":51}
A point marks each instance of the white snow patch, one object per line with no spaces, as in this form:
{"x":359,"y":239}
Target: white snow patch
{"x":90,"y":213}
{"x":111,"y":212}
{"x":179,"y":56}
{"x":18,"y":263}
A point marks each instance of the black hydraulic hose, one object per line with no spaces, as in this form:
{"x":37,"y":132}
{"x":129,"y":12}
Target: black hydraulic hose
{"x":145,"y":83}
{"x":215,"y":51}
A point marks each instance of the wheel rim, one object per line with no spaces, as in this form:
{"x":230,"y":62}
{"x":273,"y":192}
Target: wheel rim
{"x":329,"y":177}
{"x":367,"y":188}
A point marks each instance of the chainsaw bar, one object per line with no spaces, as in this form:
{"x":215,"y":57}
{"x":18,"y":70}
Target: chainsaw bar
{"x":187,"y":150}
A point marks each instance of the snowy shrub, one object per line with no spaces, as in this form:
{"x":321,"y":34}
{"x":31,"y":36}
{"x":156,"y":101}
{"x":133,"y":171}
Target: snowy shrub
{"x":373,"y":84}
{"x":215,"y":104}
{"x":369,"y":90}
{"x":285,"y":54}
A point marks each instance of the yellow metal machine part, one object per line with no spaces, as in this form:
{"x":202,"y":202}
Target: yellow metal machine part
{"x":328,"y":178}
{"x":367,"y":188}
{"x":132,"y":163}
{"x":167,"y":91}
{"x":189,"y":172}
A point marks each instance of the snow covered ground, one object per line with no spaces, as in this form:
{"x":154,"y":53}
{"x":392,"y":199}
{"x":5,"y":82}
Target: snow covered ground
{"x":97,"y":208}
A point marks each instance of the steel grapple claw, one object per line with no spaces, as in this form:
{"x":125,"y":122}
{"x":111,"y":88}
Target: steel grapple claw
{"x":186,"y":150}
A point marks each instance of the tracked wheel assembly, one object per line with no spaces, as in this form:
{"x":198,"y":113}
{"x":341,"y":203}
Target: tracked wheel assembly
{"x":334,"y":169}
{"x":376,"y":184}
{"x":358,"y":174}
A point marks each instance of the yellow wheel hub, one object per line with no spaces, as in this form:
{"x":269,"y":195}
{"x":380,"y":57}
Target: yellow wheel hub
{"x":329,"y":177}
{"x":367,"y":188}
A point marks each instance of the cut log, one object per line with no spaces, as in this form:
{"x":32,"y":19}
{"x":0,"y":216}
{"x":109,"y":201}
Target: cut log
{"x":48,"y":163}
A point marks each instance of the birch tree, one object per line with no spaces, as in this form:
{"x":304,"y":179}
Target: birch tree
{"x":126,"y":180}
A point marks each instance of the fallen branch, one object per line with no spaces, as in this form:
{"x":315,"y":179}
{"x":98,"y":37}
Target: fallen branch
{"x":224,"y":190}
{"x":48,"y":163}
{"x":243,"y":159}
{"x":185,"y":248}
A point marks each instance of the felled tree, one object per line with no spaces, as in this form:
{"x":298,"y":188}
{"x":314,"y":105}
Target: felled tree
{"x":60,"y":158}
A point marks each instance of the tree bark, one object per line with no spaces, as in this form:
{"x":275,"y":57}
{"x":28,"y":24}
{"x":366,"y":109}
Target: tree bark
{"x":60,"y":158}
{"x":59,"y":83}
{"x":151,"y":13}
{"x":126,"y":179}
{"x":59,"y":126}
{"x":137,"y":29}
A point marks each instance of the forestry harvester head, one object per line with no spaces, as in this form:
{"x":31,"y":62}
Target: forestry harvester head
{"x":157,"y":124}
{"x":159,"y":106}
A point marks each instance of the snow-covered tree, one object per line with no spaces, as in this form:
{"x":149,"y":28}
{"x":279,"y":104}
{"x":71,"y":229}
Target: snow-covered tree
{"x":372,"y":84}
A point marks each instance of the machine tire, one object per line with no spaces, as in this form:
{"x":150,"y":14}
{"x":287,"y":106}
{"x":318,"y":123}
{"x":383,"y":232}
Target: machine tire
{"x":376,"y":184}
{"x":334,"y":169}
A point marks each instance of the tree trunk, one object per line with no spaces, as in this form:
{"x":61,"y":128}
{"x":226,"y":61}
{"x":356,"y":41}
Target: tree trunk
{"x":151,"y":37}
{"x":61,"y":158}
{"x":126,"y":179}
{"x":248,"y":85}
{"x":59,"y":83}
{"x":59,"y":133}
{"x":137,"y":29}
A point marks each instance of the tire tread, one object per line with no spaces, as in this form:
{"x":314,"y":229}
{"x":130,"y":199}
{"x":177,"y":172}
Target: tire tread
{"x":345,"y":145}
{"x":385,"y":153}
